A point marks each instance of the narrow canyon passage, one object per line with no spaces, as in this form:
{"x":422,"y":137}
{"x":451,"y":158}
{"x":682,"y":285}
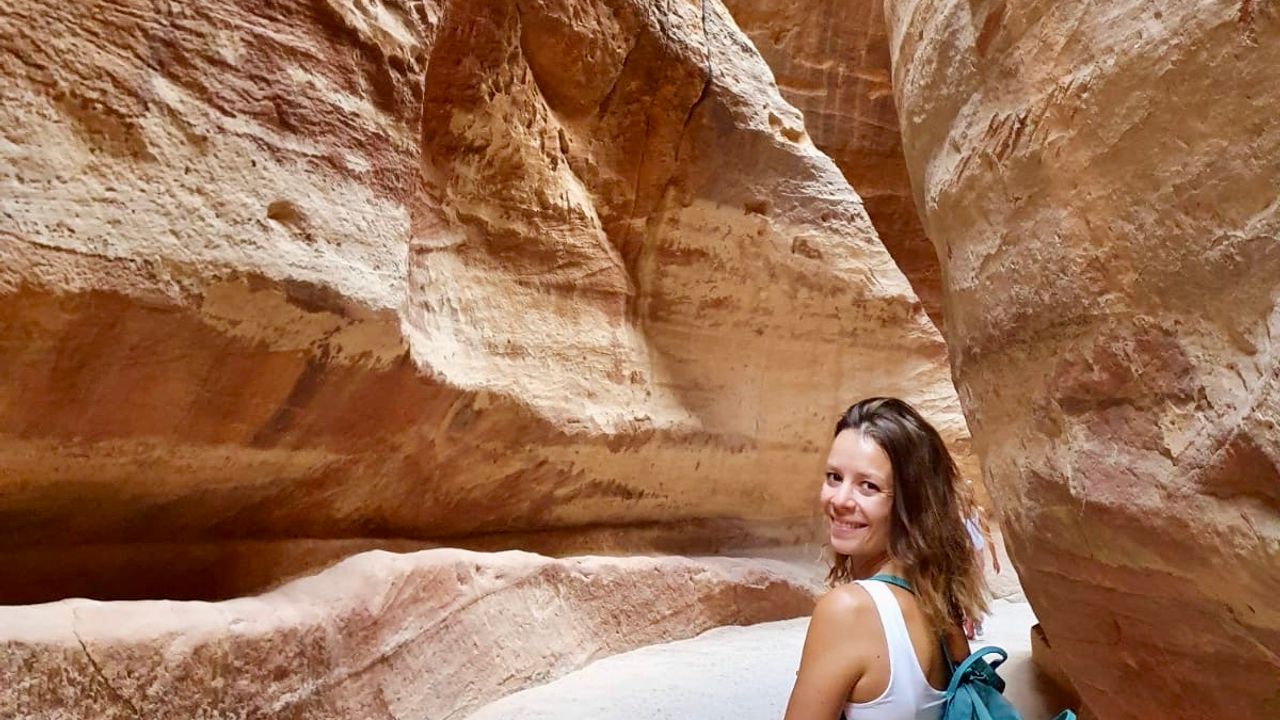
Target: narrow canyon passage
{"x":388,"y":358}
{"x":290,"y":285}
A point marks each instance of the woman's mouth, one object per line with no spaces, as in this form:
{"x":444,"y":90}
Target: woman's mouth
{"x":846,"y":526}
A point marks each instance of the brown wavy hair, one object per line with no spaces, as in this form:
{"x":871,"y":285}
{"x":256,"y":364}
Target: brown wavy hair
{"x":927,"y":536}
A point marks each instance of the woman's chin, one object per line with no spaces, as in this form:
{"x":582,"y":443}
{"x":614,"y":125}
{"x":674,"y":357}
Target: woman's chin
{"x":845,"y":546}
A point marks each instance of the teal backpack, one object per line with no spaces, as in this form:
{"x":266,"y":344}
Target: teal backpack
{"x":976,"y":690}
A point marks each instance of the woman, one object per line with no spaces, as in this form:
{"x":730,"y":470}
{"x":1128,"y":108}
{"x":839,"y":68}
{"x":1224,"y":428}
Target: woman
{"x":874,"y":650}
{"x":975,"y":523}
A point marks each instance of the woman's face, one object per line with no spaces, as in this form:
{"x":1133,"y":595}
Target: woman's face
{"x":857,"y":496}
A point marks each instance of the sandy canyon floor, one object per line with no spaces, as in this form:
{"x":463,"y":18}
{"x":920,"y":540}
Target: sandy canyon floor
{"x":739,"y":673}
{"x":746,"y":673}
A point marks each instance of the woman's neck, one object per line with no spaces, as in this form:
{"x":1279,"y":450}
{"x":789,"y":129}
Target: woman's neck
{"x":883,"y":565}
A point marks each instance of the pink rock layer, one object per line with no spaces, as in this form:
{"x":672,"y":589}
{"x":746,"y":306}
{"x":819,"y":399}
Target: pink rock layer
{"x":433,"y":634}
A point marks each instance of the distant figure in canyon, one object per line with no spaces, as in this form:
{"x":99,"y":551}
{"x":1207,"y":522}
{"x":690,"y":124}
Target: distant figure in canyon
{"x":979,"y":529}
{"x":904,"y":575}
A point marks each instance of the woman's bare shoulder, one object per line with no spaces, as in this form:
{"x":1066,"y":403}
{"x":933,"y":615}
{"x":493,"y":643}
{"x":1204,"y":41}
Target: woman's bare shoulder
{"x":834,"y":657}
{"x":846,"y":610}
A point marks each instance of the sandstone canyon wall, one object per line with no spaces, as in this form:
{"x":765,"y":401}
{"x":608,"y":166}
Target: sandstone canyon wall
{"x":1101,"y":181}
{"x":324,"y":270}
{"x":830,"y":59}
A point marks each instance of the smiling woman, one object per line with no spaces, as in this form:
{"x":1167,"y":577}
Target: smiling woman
{"x":891,"y":499}
{"x":857,"y":495}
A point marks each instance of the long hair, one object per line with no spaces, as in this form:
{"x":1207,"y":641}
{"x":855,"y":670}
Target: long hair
{"x":927,"y":536}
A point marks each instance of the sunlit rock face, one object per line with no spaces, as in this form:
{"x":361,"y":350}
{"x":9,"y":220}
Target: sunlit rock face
{"x":1101,"y":179}
{"x":342,"y":270}
{"x":830,"y":59}
{"x":434,"y":634}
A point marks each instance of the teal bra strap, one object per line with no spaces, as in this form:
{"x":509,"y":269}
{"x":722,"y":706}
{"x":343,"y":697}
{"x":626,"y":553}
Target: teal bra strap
{"x":893,"y":580}
{"x":902,"y":583}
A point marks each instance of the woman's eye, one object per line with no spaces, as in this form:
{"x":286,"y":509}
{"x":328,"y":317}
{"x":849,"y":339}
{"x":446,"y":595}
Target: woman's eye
{"x":833,"y":478}
{"x":869,"y":487}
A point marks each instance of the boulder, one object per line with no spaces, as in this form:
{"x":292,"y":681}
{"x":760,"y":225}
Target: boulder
{"x":1043,"y":656}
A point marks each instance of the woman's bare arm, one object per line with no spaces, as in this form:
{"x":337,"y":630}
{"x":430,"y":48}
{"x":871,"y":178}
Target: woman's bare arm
{"x":834,"y":654}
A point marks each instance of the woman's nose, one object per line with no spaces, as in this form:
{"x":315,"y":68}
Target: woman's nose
{"x":845,"y":496}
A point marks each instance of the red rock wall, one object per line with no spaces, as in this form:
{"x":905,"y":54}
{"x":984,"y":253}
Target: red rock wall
{"x":1101,"y":180}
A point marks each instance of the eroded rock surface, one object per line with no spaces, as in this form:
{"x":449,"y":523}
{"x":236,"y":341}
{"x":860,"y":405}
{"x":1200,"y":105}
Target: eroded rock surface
{"x":830,"y":59}
{"x":424,"y":270}
{"x":1101,"y":179}
{"x":433,"y":634}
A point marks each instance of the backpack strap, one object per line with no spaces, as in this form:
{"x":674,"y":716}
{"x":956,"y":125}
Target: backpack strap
{"x":969,"y":662}
{"x":980,"y":709}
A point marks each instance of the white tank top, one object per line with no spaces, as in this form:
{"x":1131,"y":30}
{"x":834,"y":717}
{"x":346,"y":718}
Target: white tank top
{"x":975,"y":532}
{"x":909,"y":695}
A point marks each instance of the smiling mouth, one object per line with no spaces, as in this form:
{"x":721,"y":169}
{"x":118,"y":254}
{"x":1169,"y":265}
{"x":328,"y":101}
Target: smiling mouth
{"x":845,"y":525}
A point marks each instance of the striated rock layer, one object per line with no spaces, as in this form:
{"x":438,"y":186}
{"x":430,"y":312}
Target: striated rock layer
{"x":1101,"y":179}
{"x":433,"y":634}
{"x":830,"y":59}
{"x":342,"y":269}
